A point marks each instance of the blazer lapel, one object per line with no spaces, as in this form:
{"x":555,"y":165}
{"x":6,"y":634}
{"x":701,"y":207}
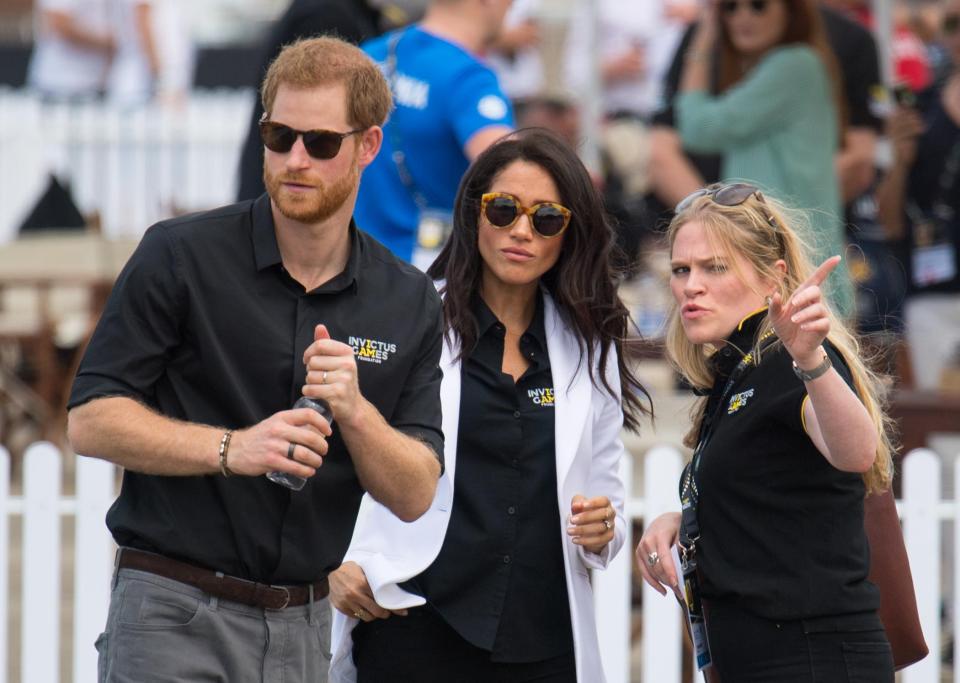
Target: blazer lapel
{"x":571,"y":386}
{"x":450,"y":400}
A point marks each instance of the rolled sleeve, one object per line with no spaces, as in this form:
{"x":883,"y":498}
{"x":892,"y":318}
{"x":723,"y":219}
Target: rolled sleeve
{"x":418,"y":411}
{"x":139,"y":327}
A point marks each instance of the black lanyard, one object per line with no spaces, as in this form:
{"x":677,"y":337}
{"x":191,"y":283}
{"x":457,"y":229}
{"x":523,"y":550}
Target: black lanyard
{"x":689,"y":493}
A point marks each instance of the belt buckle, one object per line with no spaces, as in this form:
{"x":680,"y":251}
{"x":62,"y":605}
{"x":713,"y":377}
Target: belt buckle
{"x":286,"y":596}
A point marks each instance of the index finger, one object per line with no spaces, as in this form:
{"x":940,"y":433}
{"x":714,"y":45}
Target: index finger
{"x":821,"y":273}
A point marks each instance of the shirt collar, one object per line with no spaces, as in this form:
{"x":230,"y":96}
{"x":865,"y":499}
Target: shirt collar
{"x":266,"y":251}
{"x":486,"y":319}
{"x":738,"y":343}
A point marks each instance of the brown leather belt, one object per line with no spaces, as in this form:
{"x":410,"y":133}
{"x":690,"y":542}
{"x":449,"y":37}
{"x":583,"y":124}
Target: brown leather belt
{"x":224,"y":587}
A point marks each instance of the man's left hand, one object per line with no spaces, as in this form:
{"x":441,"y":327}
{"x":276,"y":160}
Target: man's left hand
{"x":332,"y":375}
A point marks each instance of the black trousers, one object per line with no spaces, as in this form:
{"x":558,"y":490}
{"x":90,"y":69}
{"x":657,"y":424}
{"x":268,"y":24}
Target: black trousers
{"x":422,"y":648}
{"x":851,"y":648}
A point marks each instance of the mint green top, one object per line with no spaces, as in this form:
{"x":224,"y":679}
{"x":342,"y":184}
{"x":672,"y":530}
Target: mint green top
{"x":777,"y":128}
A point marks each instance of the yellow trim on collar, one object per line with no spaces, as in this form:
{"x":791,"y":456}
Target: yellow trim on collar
{"x":750,"y":315}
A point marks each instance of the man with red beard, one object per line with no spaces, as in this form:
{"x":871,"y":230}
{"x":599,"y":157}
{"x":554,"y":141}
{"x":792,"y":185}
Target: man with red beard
{"x":218,"y":323}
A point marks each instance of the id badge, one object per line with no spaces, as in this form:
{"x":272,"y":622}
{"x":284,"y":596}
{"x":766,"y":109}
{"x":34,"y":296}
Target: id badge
{"x":432,"y":232}
{"x":695,"y":618}
{"x":933,"y":264}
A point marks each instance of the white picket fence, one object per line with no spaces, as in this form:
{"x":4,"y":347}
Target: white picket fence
{"x":132,"y":166}
{"x":43,"y":507}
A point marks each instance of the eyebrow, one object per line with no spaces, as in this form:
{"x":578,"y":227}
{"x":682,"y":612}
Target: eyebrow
{"x":701,"y":262}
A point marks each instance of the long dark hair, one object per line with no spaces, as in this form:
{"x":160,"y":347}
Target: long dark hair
{"x":582,"y":282}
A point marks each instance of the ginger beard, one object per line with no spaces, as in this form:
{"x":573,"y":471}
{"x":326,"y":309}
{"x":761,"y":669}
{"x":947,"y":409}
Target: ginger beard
{"x":314,"y":206}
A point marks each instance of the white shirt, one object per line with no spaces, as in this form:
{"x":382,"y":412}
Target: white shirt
{"x":59,"y":68}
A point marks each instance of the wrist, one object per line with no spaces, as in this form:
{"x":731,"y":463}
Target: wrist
{"x":810,"y":367}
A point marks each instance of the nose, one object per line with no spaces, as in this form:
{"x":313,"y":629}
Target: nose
{"x":692,"y":285}
{"x":522,"y":229}
{"x":297,"y":157}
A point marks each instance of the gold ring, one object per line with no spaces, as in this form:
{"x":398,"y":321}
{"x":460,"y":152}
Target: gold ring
{"x":323,"y":379}
{"x":358,"y":613}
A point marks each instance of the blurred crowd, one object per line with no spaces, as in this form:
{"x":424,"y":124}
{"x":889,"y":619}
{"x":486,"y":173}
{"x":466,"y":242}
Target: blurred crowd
{"x":663,"y":97}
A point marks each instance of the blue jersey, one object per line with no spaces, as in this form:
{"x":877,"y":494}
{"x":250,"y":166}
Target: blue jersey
{"x":443,"y":95}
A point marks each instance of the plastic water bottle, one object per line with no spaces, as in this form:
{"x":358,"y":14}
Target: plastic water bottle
{"x":292,"y":481}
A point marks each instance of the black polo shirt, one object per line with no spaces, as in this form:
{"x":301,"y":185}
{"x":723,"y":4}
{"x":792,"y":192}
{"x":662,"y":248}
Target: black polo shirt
{"x":499,"y":578}
{"x":204,"y":324}
{"x":781,"y":528}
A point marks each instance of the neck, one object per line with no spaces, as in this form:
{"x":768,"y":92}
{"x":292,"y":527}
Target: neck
{"x":514,"y":305}
{"x":314,"y":253}
{"x":454,"y":24}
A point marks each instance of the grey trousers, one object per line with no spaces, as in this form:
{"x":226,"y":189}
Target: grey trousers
{"x":160,"y":630}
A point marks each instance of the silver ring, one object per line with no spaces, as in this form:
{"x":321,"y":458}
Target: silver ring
{"x":607,"y":524}
{"x":290,"y":450}
{"x":653,"y":558}
{"x":323,"y":379}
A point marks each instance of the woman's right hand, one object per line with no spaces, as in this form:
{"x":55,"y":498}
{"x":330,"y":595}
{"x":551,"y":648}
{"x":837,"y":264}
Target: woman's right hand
{"x":653,"y":553}
{"x":351,"y":594}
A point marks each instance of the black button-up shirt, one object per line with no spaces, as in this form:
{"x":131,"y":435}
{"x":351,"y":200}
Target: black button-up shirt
{"x":499,"y":578}
{"x":205,"y":325}
{"x":781,"y":529}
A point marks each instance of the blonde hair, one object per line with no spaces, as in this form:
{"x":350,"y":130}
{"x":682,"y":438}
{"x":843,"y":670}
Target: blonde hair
{"x":313,"y":62}
{"x":760,"y":230}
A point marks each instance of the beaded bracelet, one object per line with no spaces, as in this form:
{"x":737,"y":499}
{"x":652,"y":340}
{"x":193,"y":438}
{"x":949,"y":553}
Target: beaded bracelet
{"x":224,"y":446}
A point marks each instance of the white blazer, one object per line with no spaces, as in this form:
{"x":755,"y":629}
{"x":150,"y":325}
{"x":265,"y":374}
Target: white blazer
{"x":588,"y":449}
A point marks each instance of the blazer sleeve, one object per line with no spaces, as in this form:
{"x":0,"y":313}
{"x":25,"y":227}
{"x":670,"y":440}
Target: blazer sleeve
{"x":608,"y":450}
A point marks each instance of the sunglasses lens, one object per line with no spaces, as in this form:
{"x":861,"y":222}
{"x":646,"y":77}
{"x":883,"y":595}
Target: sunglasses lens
{"x":322,"y":144}
{"x":501,"y":211}
{"x":758,"y":6}
{"x":728,"y":6}
{"x":549,"y":221}
{"x":733,"y":195}
{"x":277,"y":137}
{"x":951,"y":23}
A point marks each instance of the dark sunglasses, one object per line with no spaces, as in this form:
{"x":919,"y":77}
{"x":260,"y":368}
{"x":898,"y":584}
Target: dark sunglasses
{"x":733,"y":194}
{"x":729,"y":7}
{"x":320,"y":144}
{"x":951,"y":22}
{"x":502,"y":210}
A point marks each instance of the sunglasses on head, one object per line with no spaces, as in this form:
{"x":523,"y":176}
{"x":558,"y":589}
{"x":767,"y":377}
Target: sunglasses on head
{"x":729,"y":7}
{"x":733,"y":194}
{"x":951,"y":23}
{"x":502,"y":210}
{"x":320,"y":144}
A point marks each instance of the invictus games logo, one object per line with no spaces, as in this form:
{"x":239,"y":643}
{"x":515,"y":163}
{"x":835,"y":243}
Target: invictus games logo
{"x":738,"y":401}
{"x":371,"y":350}
{"x":541,"y":397}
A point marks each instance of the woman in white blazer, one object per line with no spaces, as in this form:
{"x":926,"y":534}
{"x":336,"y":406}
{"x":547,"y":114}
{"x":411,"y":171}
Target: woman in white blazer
{"x":493,"y":583}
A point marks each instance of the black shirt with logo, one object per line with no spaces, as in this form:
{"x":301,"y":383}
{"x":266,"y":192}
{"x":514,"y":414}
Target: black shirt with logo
{"x":205,"y":325}
{"x":781,"y":529}
{"x":499,"y":579}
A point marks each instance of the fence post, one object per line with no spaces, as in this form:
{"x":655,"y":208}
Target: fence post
{"x":4,"y":558}
{"x":921,"y":531}
{"x":662,"y":650}
{"x":40,"y":646}
{"x":612,"y":598}
{"x":93,"y":564}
